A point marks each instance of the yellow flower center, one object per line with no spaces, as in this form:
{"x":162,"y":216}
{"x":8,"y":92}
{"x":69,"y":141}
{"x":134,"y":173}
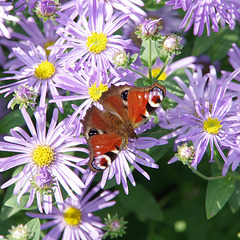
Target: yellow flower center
{"x":72,"y":216}
{"x":44,"y":70}
{"x":96,"y":92}
{"x":212,"y":126}
{"x":156,"y":71}
{"x":43,"y":155}
{"x":96,"y":42}
{"x":46,"y":45}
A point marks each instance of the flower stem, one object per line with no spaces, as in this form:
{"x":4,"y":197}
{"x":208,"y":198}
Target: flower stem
{"x":150,"y":59}
{"x":206,"y":177}
{"x":139,"y":73}
{"x":163,"y":68}
{"x":232,"y":175}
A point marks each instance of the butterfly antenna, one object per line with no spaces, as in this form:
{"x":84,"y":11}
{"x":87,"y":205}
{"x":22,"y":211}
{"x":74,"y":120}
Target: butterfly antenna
{"x":155,"y":132}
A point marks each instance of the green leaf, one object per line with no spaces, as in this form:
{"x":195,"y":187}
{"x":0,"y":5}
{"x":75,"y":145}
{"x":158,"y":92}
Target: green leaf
{"x":234,"y":201}
{"x":162,"y":53}
{"x":223,"y":42}
{"x":7,"y":212}
{"x":132,"y":59}
{"x":145,"y":52}
{"x":203,"y":43}
{"x":218,"y":193}
{"x":142,"y":82}
{"x":12,"y":202}
{"x":174,"y":88}
{"x":142,"y":203}
{"x":12,"y":120}
{"x":34,"y":228}
{"x":152,"y":5}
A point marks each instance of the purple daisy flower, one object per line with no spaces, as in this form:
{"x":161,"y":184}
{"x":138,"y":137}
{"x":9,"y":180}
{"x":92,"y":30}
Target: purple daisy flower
{"x":76,"y":220}
{"x":203,"y":115}
{"x":23,"y":4}
{"x":203,"y":12}
{"x":234,"y":60}
{"x":40,"y":72}
{"x":184,"y":4}
{"x":233,"y":157}
{"x":234,"y":56}
{"x":126,"y":6}
{"x":32,"y":33}
{"x":120,"y":168}
{"x":5,"y":8}
{"x":46,"y":165}
{"x":47,"y":9}
{"x":170,"y":21}
{"x":91,"y":38}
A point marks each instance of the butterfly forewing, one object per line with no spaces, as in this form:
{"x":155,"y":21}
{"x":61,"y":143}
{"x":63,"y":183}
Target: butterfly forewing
{"x":115,"y":101}
{"x":142,"y":103}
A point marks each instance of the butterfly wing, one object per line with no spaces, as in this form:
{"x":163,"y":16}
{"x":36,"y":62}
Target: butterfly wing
{"x":103,"y":140}
{"x":134,"y":104}
{"x":115,"y":101}
{"x":142,"y":103}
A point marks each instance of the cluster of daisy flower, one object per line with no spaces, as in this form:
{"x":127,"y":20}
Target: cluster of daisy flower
{"x":66,"y":54}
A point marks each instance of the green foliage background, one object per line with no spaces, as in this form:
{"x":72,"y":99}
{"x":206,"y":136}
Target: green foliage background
{"x":174,"y":204}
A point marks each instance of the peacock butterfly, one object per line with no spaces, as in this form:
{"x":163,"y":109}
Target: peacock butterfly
{"x":126,"y":108}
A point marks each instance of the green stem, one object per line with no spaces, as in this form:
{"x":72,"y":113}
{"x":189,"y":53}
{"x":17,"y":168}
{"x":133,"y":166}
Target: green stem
{"x":205,"y":177}
{"x":232,"y":175}
{"x":163,"y":68}
{"x":150,"y":59}
{"x":220,"y":165}
{"x":139,"y":73}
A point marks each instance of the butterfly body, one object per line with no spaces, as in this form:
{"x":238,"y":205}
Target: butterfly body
{"x":126,"y":108}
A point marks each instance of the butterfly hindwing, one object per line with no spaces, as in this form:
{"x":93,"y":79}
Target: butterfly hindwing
{"x":105,"y":149}
{"x":103,"y":140}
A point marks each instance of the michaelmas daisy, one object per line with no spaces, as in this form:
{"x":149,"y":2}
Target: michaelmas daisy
{"x":91,"y":38}
{"x":75,"y":220}
{"x":46,"y":166}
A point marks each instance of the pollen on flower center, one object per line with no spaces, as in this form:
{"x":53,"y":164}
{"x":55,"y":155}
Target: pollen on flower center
{"x":72,"y":216}
{"x":44,"y":70}
{"x":126,"y":143}
{"x":96,"y":42}
{"x":212,"y":126}
{"x":43,"y":155}
{"x":96,"y":92}
{"x":156,"y":71}
{"x":46,"y":45}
